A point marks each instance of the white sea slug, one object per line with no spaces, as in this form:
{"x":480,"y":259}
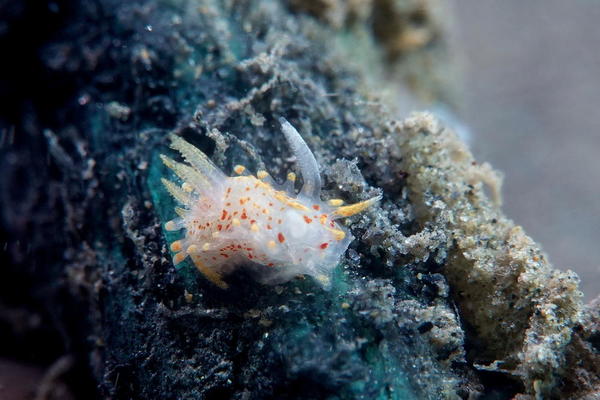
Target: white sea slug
{"x":251,"y":221}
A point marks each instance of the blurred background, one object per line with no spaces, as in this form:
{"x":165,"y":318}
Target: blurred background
{"x":531,"y":79}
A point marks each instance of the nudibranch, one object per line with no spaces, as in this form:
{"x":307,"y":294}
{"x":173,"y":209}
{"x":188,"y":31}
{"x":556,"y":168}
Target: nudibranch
{"x":250,"y":220}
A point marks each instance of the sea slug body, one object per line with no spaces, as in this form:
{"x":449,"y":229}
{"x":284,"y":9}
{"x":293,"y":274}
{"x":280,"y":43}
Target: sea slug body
{"x":250,"y":220}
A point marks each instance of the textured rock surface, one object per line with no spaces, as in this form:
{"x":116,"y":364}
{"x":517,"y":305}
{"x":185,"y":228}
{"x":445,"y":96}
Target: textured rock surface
{"x":438,"y":294}
{"x":519,"y":311}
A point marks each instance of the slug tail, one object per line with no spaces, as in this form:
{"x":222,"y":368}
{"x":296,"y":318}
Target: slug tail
{"x":352,"y":209}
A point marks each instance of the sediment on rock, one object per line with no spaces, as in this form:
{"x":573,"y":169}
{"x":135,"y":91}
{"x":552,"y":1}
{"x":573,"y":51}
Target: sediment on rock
{"x":519,"y":312}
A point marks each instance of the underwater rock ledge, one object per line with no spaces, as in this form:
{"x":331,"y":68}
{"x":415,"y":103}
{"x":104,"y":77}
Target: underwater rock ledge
{"x":439,"y":296}
{"x":519,"y":312}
